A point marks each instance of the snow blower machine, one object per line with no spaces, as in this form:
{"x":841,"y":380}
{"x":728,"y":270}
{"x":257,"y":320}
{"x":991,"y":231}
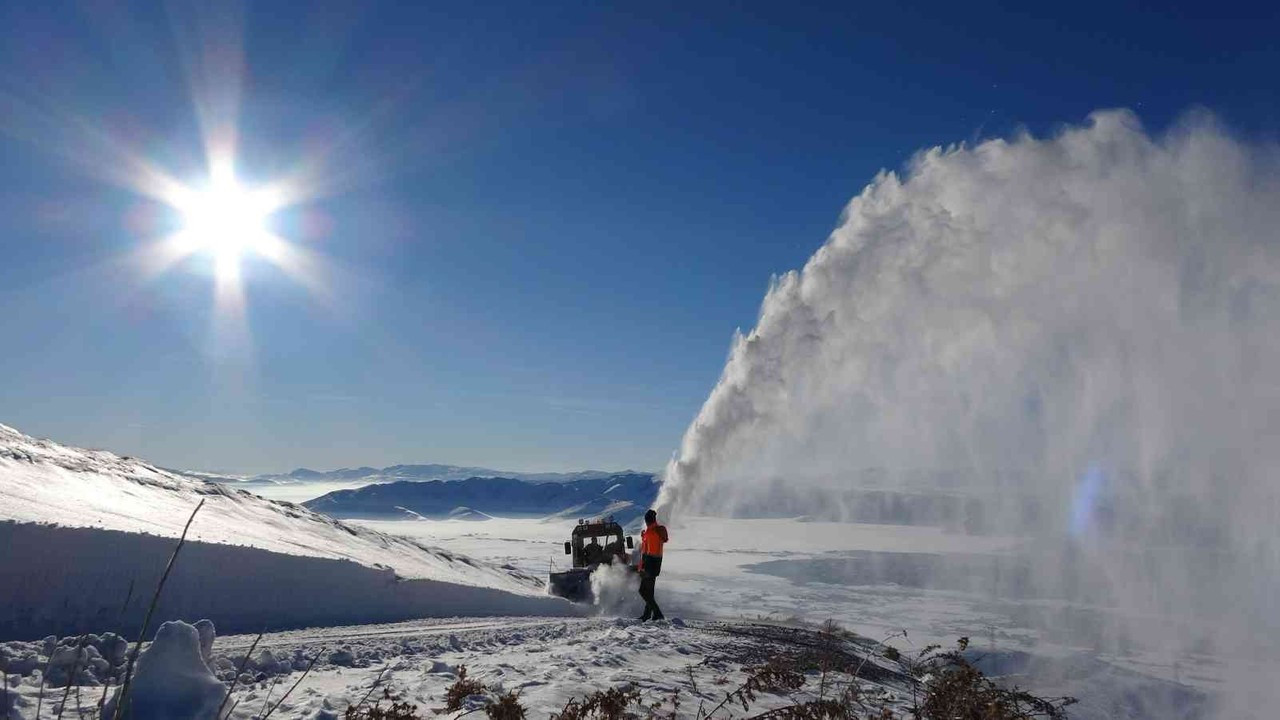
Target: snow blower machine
{"x":593,"y":543}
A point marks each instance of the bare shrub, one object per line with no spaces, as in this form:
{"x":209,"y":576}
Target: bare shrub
{"x":956,"y":690}
{"x":608,"y":704}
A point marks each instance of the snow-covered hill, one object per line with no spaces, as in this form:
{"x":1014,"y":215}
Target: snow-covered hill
{"x":42,"y":481}
{"x":127,"y":504}
{"x":625,"y":495}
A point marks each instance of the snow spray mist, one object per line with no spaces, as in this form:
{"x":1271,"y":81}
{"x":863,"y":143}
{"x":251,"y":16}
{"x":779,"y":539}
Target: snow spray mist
{"x":1078,"y":336}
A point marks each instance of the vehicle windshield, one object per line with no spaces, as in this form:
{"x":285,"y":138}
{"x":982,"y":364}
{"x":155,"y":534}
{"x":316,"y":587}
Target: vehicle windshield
{"x":596,"y":545}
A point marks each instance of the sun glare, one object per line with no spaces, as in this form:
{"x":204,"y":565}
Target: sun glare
{"x":226,"y":221}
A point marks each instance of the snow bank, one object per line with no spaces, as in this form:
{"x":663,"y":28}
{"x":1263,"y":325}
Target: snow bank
{"x":171,"y":681}
{"x":43,"y":481}
{"x":66,"y":581}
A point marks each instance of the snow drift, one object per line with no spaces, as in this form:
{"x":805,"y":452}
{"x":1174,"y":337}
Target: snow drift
{"x":1080,"y":335}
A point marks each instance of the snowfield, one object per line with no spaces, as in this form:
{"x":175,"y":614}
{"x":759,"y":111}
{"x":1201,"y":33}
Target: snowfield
{"x":803,"y":572}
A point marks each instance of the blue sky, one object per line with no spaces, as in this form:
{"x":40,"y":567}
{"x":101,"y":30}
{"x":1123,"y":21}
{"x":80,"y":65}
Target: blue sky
{"x":541,"y":223}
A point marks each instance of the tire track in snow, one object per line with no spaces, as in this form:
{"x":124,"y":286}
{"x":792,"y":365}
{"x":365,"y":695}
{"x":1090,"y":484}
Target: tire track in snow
{"x":427,"y":627}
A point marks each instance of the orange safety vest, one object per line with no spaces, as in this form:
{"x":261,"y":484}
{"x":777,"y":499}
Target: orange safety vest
{"x":652,"y":539}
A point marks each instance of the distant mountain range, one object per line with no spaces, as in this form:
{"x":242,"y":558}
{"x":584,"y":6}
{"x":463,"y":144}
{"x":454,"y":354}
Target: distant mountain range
{"x":395,"y":473}
{"x":624,"y":495}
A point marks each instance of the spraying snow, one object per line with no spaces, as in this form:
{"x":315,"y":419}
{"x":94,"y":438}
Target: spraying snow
{"x":1078,"y":336}
{"x":613,"y":590}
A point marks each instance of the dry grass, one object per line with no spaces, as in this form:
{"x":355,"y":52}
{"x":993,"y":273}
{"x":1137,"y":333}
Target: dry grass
{"x":506,"y":707}
{"x":463,"y":688}
{"x":395,"y":710}
{"x":611,"y":704}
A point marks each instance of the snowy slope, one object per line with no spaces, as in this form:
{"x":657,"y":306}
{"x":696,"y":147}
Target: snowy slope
{"x":45,"y":482}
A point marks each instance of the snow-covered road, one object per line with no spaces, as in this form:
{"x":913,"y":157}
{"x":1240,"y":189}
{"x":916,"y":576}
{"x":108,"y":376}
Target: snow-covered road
{"x":385,"y":632}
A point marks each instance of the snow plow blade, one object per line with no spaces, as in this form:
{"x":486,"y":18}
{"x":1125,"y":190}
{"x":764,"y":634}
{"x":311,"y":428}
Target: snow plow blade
{"x":572,"y":585}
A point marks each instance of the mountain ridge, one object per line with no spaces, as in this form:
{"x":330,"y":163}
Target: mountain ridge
{"x":422,"y":472}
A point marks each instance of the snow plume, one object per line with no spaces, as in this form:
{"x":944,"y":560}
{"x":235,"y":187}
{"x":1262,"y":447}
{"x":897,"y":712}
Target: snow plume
{"x":1078,"y":337}
{"x":614,"y":588}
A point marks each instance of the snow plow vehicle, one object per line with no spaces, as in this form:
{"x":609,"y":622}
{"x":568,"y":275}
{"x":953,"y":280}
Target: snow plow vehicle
{"x":593,"y":543}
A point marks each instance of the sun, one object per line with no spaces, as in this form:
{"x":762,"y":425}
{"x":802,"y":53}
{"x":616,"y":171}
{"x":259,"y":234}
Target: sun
{"x":227,"y":221}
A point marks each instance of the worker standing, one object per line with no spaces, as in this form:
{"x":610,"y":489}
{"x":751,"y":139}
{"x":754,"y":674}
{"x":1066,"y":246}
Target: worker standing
{"x":649,"y":565}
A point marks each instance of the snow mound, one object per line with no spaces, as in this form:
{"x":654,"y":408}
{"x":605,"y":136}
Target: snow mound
{"x":172,"y":681}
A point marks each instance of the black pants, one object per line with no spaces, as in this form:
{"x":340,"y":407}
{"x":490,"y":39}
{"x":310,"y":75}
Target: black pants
{"x":651,"y":609}
{"x":652,"y":566}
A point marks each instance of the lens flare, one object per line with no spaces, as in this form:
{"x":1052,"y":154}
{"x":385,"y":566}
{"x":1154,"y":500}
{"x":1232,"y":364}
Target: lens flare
{"x":218,"y":217}
{"x":227,"y":221}
{"x":1085,"y":500}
